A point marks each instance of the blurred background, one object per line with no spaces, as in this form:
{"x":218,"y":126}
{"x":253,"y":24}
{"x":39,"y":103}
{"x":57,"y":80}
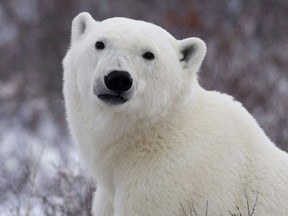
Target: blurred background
{"x":40,"y":173}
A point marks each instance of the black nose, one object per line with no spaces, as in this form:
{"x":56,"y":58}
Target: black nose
{"x":119,"y":81}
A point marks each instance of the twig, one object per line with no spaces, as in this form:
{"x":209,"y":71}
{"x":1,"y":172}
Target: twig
{"x":191,"y":213}
{"x":238,"y":209}
{"x":194,"y":209}
{"x":254,"y":206}
{"x":183,"y":209}
{"x":247,"y":201}
{"x":231,"y":213}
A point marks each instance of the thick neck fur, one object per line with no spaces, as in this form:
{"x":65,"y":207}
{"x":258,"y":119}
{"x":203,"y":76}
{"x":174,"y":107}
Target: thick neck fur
{"x":115,"y":137}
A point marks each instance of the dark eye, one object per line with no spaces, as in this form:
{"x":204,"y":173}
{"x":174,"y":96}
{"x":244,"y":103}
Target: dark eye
{"x":99,"y":45}
{"x":148,"y":56}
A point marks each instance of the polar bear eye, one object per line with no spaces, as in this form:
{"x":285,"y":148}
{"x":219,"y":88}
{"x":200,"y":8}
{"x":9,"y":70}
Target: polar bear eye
{"x":99,"y":45}
{"x":148,"y":56}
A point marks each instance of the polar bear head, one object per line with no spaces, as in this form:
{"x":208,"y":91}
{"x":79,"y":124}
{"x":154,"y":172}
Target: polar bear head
{"x":130,"y":67}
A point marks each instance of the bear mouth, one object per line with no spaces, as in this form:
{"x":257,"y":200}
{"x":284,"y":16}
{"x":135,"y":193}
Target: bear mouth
{"x":112,"y":99}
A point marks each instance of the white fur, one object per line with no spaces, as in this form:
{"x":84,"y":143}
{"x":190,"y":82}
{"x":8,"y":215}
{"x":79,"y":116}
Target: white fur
{"x":173,"y":142}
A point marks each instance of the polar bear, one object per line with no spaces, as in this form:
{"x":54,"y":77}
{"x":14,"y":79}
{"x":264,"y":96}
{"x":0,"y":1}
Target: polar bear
{"x":156,"y":142}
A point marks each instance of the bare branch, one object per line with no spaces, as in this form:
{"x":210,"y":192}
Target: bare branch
{"x":183,"y":209}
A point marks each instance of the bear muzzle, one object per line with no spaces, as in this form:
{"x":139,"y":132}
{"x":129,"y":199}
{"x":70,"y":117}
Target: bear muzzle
{"x":116,"y":88}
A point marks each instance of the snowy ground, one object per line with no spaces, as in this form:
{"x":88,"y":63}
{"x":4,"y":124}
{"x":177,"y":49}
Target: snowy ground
{"x":40,"y":173}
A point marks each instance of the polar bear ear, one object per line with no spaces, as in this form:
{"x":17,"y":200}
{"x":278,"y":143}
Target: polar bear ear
{"x":192,"y":53}
{"x":80,"y":25}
